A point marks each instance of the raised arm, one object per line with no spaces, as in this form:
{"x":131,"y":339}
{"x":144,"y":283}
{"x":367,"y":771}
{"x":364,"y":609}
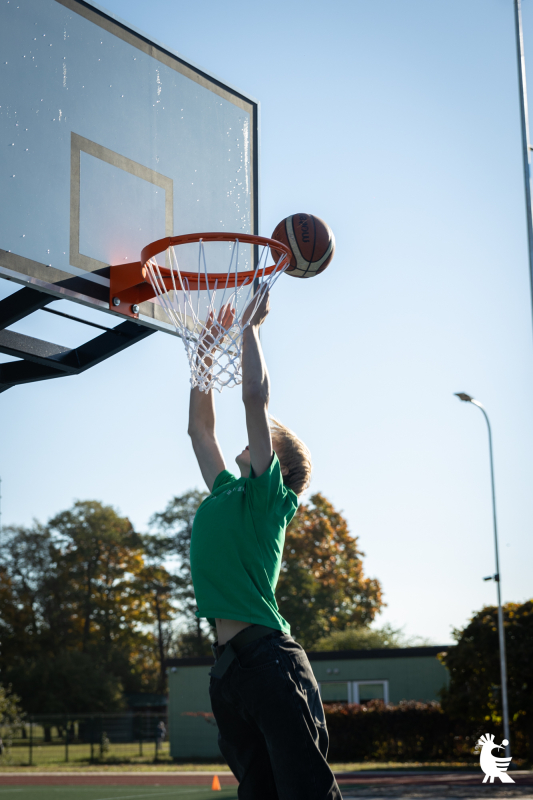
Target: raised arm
{"x":203,"y":436}
{"x":256,"y":391}
{"x":202,"y":412}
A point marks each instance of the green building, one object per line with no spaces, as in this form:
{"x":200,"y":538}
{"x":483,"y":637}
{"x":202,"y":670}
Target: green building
{"x":352,"y":676}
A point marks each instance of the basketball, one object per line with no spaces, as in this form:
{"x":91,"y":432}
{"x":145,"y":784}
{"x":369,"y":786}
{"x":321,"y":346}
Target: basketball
{"x":311,"y":241}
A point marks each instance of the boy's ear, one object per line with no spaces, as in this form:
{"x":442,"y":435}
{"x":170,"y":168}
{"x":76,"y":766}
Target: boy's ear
{"x":284,"y":470}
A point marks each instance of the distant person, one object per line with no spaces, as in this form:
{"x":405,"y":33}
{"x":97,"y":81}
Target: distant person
{"x":272,"y":729}
{"x":161,"y":733}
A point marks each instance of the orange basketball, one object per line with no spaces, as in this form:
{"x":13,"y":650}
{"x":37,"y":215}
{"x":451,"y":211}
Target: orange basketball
{"x":311,"y":241}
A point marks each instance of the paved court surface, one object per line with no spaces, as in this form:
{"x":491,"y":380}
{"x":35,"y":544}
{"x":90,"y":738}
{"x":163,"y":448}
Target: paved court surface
{"x":433,"y":785}
{"x":382,"y":785}
{"x":472,"y":777}
{"x":436,"y":792}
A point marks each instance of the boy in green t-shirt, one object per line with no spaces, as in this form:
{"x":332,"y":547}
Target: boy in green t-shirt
{"x":264,"y":696}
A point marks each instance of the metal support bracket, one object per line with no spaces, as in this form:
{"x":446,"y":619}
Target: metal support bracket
{"x":127,"y":288}
{"x":41,"y":360}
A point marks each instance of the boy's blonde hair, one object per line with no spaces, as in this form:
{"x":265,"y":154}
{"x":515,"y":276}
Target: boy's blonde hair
{"x":293,"y":454}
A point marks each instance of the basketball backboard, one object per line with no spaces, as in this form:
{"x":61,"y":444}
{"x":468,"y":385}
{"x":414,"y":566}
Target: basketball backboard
{"x":109,"y":141}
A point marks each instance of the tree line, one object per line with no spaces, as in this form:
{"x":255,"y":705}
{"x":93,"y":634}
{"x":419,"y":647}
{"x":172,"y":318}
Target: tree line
{"x":91,"y":608}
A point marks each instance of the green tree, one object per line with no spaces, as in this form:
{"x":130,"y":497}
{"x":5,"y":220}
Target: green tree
{"x":362,"y":638}
{"x":474,"y":691}
{"x":99,"y":562}
{"x":172,"y":538}
{"x":26,"y":579}
{"x":322,"y":587}
{"x":68,"y":681}
{"x":11,"y":715}
{"x":159,"y":584}
{"x":98,"y":555}
{"x":74,"y":588}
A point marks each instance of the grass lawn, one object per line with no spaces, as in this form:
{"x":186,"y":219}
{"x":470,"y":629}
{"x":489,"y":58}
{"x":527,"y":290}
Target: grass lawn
{"x":114,"y":792}
{"x":102,"y":766}
{"x":44,"y":754}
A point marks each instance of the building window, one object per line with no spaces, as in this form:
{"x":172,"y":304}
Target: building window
{"x":364,"y":691}
{"x":335,"y":692}
{"x":354,"y":691}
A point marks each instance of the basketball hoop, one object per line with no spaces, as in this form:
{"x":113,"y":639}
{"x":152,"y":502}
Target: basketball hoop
{"x":196,"y":303}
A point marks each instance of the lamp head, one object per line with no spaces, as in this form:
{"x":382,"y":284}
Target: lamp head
{"x":464,"y":397}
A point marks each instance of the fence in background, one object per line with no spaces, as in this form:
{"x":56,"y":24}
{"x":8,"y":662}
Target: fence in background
{"x":91,"y":738}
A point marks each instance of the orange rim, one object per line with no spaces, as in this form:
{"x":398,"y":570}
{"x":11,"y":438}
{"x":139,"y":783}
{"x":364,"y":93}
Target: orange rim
{"x":206,"y":281}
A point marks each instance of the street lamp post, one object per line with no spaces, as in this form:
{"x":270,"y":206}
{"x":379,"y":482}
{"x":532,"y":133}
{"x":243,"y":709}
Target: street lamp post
{"x":524,"y":127}
{"x":501,"y":633}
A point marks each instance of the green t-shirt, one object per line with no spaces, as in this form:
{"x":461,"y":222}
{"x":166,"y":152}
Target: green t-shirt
{"x":237,"y":545}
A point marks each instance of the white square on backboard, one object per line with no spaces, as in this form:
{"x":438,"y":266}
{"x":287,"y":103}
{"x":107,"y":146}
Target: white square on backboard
{"x":117,"y":206}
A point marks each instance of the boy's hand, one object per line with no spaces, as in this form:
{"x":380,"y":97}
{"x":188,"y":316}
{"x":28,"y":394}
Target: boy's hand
{"x":261,"y":312}
{"x":214,"y":328}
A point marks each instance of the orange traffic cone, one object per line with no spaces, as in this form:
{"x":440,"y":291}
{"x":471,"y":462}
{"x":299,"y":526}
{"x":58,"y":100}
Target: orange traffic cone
{"x":216,"y":784}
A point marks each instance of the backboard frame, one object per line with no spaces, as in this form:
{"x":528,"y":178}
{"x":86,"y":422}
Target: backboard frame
{"x":87,"y":280}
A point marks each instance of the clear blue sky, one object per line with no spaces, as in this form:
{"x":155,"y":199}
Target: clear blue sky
{"x":398,"y":123}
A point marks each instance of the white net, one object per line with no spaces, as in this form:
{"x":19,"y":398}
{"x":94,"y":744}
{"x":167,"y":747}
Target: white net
{"x":207,"y":310}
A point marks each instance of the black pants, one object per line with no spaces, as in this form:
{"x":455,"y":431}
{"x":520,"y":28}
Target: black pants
{"x":272,"y":730}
